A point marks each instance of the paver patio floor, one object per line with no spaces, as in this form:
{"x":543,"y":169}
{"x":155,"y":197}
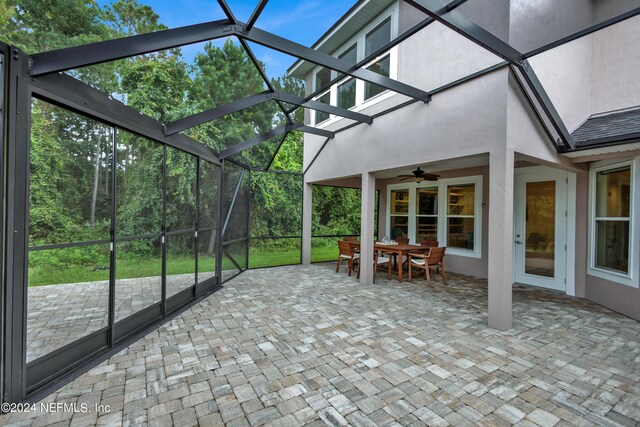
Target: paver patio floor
{"x":304,"y":345}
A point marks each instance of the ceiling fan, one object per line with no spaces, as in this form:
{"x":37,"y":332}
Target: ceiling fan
{"x":419,"y":175}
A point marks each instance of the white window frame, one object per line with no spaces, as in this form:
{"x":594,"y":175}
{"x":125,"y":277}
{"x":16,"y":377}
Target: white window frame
{"x":359,"y":39}
{"x":411,"y":203}
{"x":436,"y":215}
{"x":443,"y":205}
{"x":631,"y":278}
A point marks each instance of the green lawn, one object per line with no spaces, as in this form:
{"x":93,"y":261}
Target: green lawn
{"x":43,"y":271}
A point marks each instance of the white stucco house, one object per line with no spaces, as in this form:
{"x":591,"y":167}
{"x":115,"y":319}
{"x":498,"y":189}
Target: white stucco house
{"x":510,"y":203}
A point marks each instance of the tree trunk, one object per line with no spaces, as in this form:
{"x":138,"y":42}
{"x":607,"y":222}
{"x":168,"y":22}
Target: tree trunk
{"x":96,"y":180}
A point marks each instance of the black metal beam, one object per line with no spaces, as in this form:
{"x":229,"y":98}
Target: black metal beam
{"x":215,"y":113}
{"x":252,"y":100}
{"x":472,"y":31}
{"x":289,"y":47}
{"x":324,"y":144}
{"x":231,"y":151}
{"x":585,"y":32}
{"x":436,"y":91}
{"x":256,"y":13}
{"x":110,"y":50}
{"x":467,"y":28}
{"x":64,"y":90}
{"x":227,"y":11}
{"x":544,"y":106}
{"x":321,"y":106}
{"x":264,"y":76}
{"x":275,"y":153}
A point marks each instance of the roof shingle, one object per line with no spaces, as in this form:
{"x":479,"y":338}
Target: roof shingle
{"x":620,"y":126}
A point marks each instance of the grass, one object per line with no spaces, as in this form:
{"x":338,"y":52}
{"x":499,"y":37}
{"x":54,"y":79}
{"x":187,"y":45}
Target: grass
{"x":44,"y":272}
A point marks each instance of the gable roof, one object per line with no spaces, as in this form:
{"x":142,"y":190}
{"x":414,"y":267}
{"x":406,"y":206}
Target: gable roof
{"x":609,"y":128}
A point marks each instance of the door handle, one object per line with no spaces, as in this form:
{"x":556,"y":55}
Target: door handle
{"x":518,"y":242}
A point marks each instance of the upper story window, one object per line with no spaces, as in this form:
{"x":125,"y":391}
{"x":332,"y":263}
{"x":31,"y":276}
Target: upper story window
{"x":374,"y":40}
{"x":347,"y":89}
{"x":348,"y":92}
{"x":323,"y":77}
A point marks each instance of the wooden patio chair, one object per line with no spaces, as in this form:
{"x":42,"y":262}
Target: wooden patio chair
{"x":350,"y":238}
{"x":346,"y":253}
{"x":432,"y":259}
{"x":429,"y":243}
{"x":380,"y":259}
{"x":402,"y":240}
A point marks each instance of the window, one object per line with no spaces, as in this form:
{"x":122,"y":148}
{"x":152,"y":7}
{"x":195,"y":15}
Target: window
{"x":399,"y":224}
{"x":347,"y":89}
{"x":613,"y":220}
{"x":378,"y":37}
{"x":350,"y":55}
{"x":449,"y":212}
{"x":427,"y":214}
{"x":613,"y":197}
{"x":323,"y":78}
{"x":321,"y":116}
{"x":347,"y":94}
{"x":381,"y":67}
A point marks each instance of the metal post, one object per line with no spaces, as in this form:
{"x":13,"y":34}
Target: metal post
{"x":112,"y":265}
{"x":197,"y":222}
{"x":18,"y":112}
{"x":218,"y":229}
{"x":4,"y":51}
{"x":246,"y":265}
{"x":163,"y":243}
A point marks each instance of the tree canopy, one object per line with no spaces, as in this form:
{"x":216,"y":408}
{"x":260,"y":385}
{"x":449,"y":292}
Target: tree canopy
{"x":71,"y":156}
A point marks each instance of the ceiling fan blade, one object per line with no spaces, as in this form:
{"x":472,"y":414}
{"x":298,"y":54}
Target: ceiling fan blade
{"x":430,"y":177}
{"x":406,"y":177}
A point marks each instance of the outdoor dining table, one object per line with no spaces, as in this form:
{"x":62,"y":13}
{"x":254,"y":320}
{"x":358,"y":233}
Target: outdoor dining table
{"x":399,"y":250}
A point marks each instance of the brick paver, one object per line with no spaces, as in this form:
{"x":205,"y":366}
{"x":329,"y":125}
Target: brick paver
{"x":306,"y":346}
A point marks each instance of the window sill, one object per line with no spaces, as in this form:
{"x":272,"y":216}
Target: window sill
{"x":467,"y":253}
{"x":619,"y":278}
{"x":358,"y":108}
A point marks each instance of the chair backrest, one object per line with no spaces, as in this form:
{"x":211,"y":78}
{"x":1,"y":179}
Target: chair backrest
{"x":435,"y":255}
{"x":350,"y":238}
{"x":429,"y":243}
{"x":345,"y":248}
{"x":402,"y":240}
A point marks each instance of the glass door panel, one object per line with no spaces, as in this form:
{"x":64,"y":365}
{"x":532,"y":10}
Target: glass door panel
{"x":540,"y":221}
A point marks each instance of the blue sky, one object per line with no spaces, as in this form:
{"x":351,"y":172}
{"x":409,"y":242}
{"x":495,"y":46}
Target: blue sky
{"x":303,"y":21}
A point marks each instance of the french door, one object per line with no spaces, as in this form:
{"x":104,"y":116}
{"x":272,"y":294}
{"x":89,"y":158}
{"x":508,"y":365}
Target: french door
{"x":540,"y":228}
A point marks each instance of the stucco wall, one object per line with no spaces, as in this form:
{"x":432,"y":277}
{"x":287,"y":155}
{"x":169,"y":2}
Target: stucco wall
{"x":566,"y":74}
{"x":534,"y":23}
{"x":620,"y":298}
{"x":606,"y":9}
{"x":616,"y":66}
{"x":444,"y":56}
{"x":525,"y":134}
{"x":469,"y":117}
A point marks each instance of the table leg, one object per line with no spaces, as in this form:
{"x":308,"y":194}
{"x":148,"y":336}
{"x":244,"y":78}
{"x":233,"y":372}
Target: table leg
{"x":399,"y":254}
